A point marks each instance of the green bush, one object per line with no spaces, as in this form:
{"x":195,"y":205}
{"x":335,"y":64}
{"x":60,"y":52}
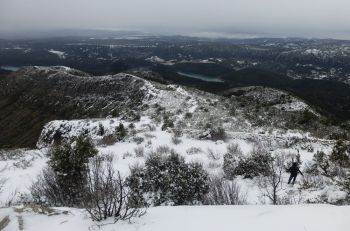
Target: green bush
{"x":257,"y":163}
{"x":121,"y":132}
{"x":341,"y":154}
{"x":63,"y":182}
{"x":169,"y":180}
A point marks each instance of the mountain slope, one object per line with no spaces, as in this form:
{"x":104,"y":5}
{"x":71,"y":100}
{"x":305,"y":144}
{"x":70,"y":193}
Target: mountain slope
{"x":33,"y":96}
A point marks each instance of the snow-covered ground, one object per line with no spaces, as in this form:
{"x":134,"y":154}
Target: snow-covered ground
{"x":203,"y":218}
{"x":147,"y":135}
{"x":22,"y":167}
{"x":60,"y":54}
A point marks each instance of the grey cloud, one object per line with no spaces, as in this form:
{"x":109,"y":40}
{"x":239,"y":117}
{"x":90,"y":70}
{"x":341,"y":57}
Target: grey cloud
{"x":289,"y":17}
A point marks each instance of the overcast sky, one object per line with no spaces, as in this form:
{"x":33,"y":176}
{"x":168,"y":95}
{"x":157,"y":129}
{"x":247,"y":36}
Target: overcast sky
{"x":320,"y":18}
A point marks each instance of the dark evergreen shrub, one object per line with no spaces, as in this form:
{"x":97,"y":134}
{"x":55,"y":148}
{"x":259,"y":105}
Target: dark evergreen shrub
{"x":64,"y":181}
{"x":121,"y":132}
{"x":257,"y":163}
{"x":341,"y":154}
{"x":169,"y":180}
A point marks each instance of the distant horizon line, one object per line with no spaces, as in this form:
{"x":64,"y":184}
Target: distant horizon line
{"x":110,"y":33}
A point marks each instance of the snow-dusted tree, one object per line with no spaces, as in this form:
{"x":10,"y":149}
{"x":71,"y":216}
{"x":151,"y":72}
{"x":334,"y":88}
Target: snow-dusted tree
{"x":63,"y":182}
{"x":167,"y":122}
{"x":341,"y":154}
{"x":101,"y":129}
{"x":121,"y":132}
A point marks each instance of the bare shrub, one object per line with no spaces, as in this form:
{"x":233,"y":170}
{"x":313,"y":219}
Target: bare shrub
{"x":213,"y":155}
{"x":152,"y":128}
{"x":234,"y":148}
{"x":231,"y":159}
{"x":149,"y":136}
{"x":213,"y":164}
{"x":176,"y":140}
{"x":14,"y":154}
{"x":193,"y":151}
{"x":218,"y":133}
{"x":271,"y":184}
{"x":312,"y":181}
{"x":138,"y":139}
{"x":127,"y":155}
{"x":46,"y":189}
{"x":177,"y":132}
{"x":223,"y":192}
{"x":108,"y":140}
{"x":24,"y":163}
{"x":139,"y":151}
{"x":163,"y":149}
{"x":292,"y":198}
{"x":106,"y":193}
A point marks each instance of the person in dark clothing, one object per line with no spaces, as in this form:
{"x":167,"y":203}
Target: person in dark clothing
{"x":294,"y":170}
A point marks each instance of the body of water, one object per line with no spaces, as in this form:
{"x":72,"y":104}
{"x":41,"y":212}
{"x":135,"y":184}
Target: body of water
{"x":201,"y":77}
{"x":9,"y":68}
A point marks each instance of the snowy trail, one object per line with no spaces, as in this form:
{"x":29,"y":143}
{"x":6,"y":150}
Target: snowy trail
{"x":203,"y":218}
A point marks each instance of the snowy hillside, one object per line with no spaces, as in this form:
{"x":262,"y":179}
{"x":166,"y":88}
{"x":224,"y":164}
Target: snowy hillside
{"x":146,"y":117}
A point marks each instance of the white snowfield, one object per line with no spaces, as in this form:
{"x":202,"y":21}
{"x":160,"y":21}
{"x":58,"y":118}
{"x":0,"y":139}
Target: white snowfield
{"x":192,"y":218}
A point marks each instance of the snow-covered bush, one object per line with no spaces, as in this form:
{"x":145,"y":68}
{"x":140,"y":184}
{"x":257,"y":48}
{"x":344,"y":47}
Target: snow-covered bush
{"x":231,"y":159}
{"x":167,"y":179}
{"x":213,"y":155}
{"x":106,"y":194}
{"x":177,"y":132}
{"x":346,"y":188}
{"x":138,"y":139}
{"x":175,"y":140}
{"x":121,"y":132}
{"x":108,"y":140}
{"x":223,"y":192}
{"x":218,"y":133}
{"x":163,"y":149}
{"x":139,"y":151}
{"x":63,"y":182}
{"x":320,"y":164}
{"x":101,"y":129}
{"x":167,"y":122}
{"x":341,"y":154}
{"x":193,"y":150}
{"x":256,"y":163}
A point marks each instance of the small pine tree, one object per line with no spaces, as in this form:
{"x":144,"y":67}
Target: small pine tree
{"x":69,"y":164}
{"x":101,"y":129}
{"x":231,"y":160}
{"x":121,"y":132}
{"x":167,"y":122}
{"x":341,"y":154}
{"x":321,"y":162}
